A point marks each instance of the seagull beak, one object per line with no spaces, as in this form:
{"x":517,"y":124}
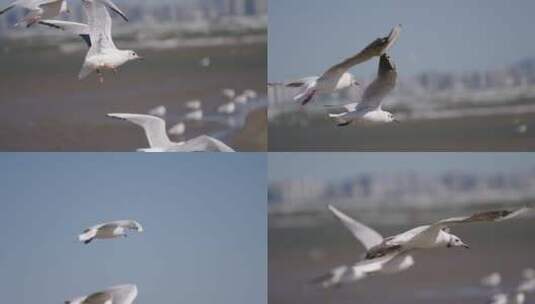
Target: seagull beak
{"x":356,"y":83}
{"x":140,"y":58}
{"x":396,"y":121}
{"x":465,"y":246}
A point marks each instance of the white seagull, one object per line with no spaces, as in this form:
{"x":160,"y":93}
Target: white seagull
{"x":178,"y":129}
{"x":38,"y":9}
{"x":337,"y":77}
{"x":194,"y":104}
{"x":369,"y":109}
{"x":109,"y":230}
{"x":194,"y":115}
{"x":158,"y":111}
{"x":155,"y":132}
{"x":227,"y":108}
{"x":121,"y":294}
{"x":389,"y":264}
{"x":103,"y":54}
{"x":492,"y":280}
{"x":435,"y":235}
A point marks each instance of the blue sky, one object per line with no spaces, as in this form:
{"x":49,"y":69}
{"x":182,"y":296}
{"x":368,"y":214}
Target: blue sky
{"x":308,"y":36}
{"x":204,"y":217}
{"x":328,"y":166}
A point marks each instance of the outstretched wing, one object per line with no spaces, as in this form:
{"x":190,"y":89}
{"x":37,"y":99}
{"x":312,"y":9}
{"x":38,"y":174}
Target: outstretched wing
{"x":99,"y":22}
{"x":75,"y":28}
{"x":377,"y":48}
{"x":381,"y":86}
{"x":205,"y":143}
{"x":114,"y":8}
{"x":366,"y":235}
{"x":130,"y":224}
{"x":123,"y":294}
{"x":486,"y":216}
{"x":153,"y":126}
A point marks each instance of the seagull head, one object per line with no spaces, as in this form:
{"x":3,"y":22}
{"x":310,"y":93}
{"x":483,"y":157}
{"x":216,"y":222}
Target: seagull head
{"x":455,"y":241}
{"x":132,"y":55}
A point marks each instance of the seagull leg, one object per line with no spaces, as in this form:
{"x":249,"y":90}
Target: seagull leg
{"x":100,"y":77}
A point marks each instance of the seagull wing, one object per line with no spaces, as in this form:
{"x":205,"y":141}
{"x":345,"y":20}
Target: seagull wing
{"x":205,"y":143}
{"x":301,"y":82}
{"x":99,"y":22}
{"x":366,"y":235}
{"x":486,"y":216}
{"x":390,"y":263}
{"x":114,"y":8}
{"x":130,"y":224}
{"x":88,"y":234}
{"x":153,"y":126}
{"x":75,"y":28}
{"x":102,"y":297}
{"x":377,"y":48}
{"x":123,"y":294}
{"x":27,"y":4}
{"x":382,"y":85}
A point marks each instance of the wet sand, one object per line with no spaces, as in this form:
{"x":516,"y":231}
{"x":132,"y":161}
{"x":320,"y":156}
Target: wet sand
{"x":297,"y":255}
{"x":489,"y":133}
{"x":44,"y":107}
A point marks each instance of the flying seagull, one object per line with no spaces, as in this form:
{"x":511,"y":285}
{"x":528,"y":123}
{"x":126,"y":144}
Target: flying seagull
{"x":102,"y":54}
{"x":38,"y":9}
{"x":109,"y":230}
{"x":337,"y":77}
{"x":154,"y":128}
{"x":121,"y":294}
{"x":389,"y":264}
{"x":435,"y":235}
{"x":369,"y":109}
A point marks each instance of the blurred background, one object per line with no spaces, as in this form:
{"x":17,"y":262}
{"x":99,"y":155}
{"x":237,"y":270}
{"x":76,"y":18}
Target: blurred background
{"x":197,"y":246}
{"x":466,"y":74}
{"x":394,"y":192}
{"x":194,"y":49}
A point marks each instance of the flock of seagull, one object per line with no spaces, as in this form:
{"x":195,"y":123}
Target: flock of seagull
{"x":394,"y":254}
{"x":103,"y":55}
{"x":517,"y":295}
{"x":369,"y":108}
{"x":120,"y":294}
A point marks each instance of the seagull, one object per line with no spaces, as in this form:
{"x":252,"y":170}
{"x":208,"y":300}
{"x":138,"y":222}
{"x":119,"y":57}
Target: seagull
{"x":337,"y":77}
{"x":492,"y":280}
{"x":499,"y":298}
{"x":388,"y":264}
{"x":250,"y":93}
{"x":369,"y":109}
{"x":227,"y":108}
{"x":154,"y":128}
{"x":241,"y":99}
{"x":229,"y":93}
{"x":109,"y":230}
{"x":158,"y":111}
{"x":38,"y":9}
{"x":121,"y":294}
{"x":177,"y":129}
{"x":194,"y":115}
{"x":102,"y":54}
{"x":193,"y":104}
{"x":435,"y":235}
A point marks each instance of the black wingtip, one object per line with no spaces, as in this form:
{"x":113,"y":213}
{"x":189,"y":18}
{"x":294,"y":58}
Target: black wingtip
{"x":344,"y":124}
{"x":6,"y":9}
{"x":120,"y":14}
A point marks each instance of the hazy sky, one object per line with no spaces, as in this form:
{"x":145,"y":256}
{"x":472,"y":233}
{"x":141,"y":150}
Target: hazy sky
{"x":327,"y":166}
{"x":307,"y":36}
{"x":204,"y":217}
